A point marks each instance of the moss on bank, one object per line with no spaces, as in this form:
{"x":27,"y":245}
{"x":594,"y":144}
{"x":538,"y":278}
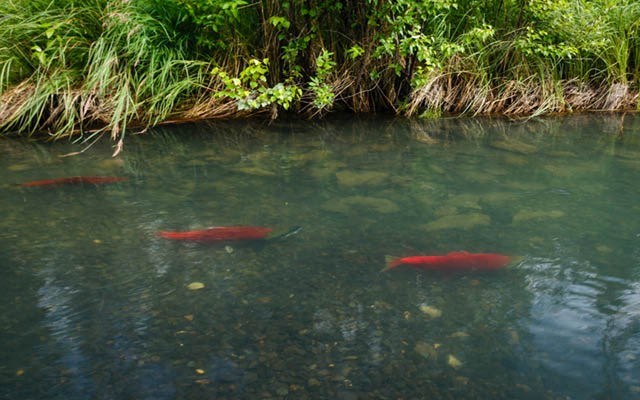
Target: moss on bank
{"x":85,"y":67}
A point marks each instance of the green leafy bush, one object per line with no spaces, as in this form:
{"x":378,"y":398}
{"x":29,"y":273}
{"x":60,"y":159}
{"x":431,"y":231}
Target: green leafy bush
{"x":72,"y":66}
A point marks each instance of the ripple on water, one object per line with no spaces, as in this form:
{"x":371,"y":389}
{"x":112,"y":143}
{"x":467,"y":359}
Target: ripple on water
{"x":567,"y":322}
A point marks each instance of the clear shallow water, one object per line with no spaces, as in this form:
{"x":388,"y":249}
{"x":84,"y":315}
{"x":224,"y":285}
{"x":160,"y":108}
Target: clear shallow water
{"x":94,"y":305}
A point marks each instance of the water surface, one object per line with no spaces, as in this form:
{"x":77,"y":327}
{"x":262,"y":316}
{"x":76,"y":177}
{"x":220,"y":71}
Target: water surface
{"x":94,"y":305}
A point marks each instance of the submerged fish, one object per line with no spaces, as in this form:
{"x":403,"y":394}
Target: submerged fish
{"x":219,"y":233}
{"x":455,"y":261}
{"x":75,"y":180}
{"x":227,"y":234}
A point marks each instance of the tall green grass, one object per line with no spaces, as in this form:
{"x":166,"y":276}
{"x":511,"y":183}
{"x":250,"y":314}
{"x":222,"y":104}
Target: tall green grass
{"x":81,"y":68}
{"x":71,"y":67}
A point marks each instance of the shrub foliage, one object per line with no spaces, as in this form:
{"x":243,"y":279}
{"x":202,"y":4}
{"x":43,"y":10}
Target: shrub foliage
{"x":84,"y":67}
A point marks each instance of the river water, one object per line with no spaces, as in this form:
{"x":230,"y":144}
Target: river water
{"x":95,"y":305}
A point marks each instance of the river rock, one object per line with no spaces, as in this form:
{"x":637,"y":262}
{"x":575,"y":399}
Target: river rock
{"x":557,"y":170}
{"x":426,"y":350}
{"x":465,"y":201}
{"x":528,"y":215}
{"x":346,"y":205}
{"x":498,"y":198}
{"x":460,"y":221}
{"x":360,"y":178}
{"x":313,"y":382}
{"x":445,"y":210}
{"x":430,"y":311}
{"x":321,"y":173}
{"x":562,"y":154}
{"x":517,"y":160}
{"x":111,"y":163}
{"x":478,"y":176}
{"x":309,"y":156}
{"x":18,"y":167}
{"x":255,"y":171}
{"x":195,"y":163}
{"x":454,"y":362}
{"x":326,"y":169}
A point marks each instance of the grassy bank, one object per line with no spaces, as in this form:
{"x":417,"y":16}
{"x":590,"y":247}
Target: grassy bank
{"x":82,"y":68}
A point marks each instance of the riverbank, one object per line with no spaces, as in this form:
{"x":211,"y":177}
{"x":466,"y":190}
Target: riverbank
{"x":93,"y":67}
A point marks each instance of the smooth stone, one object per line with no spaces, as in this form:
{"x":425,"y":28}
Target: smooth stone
{"x":430,"y":311}
{"x":314,"y":155}
{"x":601,"y":248}
{"x":111,"y":163}
{"x":512,"y":159}
{"x":359,"y":178}
{"x":465,"y":201}
{"x":255,"y":171}
{"x":478,"y":176}
{"x":562,"y":154}
{"x":18,"y":167}
{"x":195,"y":163}
{"x":460,"y":221}
{"x":445,"y":211}
{"x":498,"y":198}
{"x":313,"y":382}
{"x":528,"y":215}
{"x":453,"y":362}
{"x":346,"y":205}
{"x":326,"y":169}
{"x":425,"y":350}
{"x":321,"y":173}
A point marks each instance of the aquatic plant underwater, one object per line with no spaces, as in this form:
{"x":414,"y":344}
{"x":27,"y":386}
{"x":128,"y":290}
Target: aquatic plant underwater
{"x":88,"y":67}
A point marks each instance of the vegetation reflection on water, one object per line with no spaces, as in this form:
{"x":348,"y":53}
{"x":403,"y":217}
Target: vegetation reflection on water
{"x":95,"y":305}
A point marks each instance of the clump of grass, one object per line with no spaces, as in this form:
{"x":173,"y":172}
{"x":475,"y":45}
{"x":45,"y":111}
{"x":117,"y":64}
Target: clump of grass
{"x":42,"y":52}
{"x":138,"y":72}
{"x":70,"y":67}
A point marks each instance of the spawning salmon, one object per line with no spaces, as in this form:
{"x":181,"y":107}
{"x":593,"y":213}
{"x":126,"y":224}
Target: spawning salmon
{"x":455,"y":261}
{"x":75,"y":180}
{"x":218,"y":234}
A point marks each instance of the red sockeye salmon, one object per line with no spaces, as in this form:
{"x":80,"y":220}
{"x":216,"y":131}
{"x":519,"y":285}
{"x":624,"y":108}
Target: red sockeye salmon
{"x":75,"y":180}
{"x":455,"y":261}
{"x":219,"y":233}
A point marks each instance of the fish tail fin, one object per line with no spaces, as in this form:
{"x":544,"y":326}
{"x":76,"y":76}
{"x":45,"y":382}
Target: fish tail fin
{"x":513,"y":260}
{"x":391,"y":262}
{"x":294,"y":230}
